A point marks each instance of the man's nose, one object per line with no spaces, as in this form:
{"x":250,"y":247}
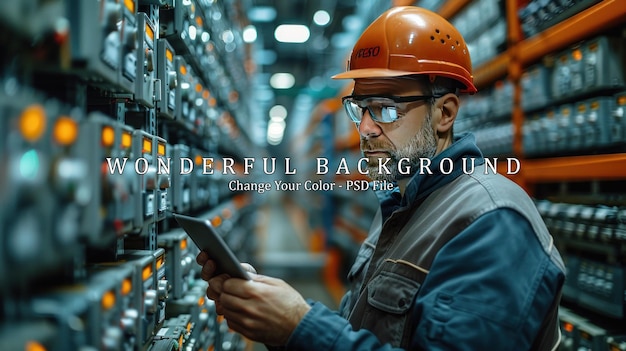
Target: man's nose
{"x":368,"y":128}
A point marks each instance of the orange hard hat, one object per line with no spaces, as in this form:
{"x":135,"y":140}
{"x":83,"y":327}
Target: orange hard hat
{"x":408,"y":40}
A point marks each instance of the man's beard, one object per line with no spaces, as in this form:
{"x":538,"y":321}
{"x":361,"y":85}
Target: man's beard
{"x":422,"y":145}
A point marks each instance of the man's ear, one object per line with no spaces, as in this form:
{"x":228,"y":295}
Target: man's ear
{"x":449,"y":107}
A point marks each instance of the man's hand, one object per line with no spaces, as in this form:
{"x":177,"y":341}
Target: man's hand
{"x":263,"y":309}
{"x":208,"y":273}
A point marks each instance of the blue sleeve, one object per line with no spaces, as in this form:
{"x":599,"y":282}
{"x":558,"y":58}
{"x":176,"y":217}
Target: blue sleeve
{"x":488,"y":289}
{"x":323,"y":329}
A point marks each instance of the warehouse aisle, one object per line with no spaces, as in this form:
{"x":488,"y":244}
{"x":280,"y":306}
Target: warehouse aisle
{"x":283,"y":251}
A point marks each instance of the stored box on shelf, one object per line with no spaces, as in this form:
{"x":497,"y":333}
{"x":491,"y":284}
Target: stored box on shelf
{"x":179,"y":25}
{"x":30,"y":335}
{"x":591,"y":336}
{"x":538,"y":15}
{"x":495,"y":140}
{"x":502,"y":99}
{"x":151,"y":199}
{"x":593,"y":66}
{"x":618,"y":120}
{"x":111,"y":213}
{"x":535,"y":84}
{"x":182,"y":178}
{"x":185,"y":93}
{"x":168,"y":78}
{"x":569,"y":323}
{"x":180,"y":267}
{"x":570,"y":289}
{"x":616,"y":343}
{"x":596,"y":118}
{"x":550,"y":129}
{"x":567,"y":74}
{"x":44,"y":185}
{"x":532,"y":138}
{"x":568,"y":134}
{"x":86,"y":315}
{"x":146,"y":68}
{"x":150,"y":281}
{"x":600,"y":287}
{"x":604,"y":63}
{"x":201,"y":194}
{"x":97,"y":41}
{"x":128,"y":72}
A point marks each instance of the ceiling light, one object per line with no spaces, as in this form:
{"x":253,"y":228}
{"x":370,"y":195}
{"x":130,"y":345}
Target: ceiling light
{"x":275,"y":132}
{"x":352,"y":23}
{"x":282,"y":80}
{"x":228,"y":36}
{"x":321,"y":18}
{"x":249,"y":34}
{"x":262,"y":14}
{"x":192,"y":32}
{"x":292,"y":33}
{"x":278,"y":112}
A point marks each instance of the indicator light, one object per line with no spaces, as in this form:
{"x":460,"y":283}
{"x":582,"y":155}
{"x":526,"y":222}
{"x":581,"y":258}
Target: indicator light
{"x":127,"y":140}
{"x":160,"y":261}
{"x":147,"y":146}
{"x":130,"y":5}
{"x":149,"y":32}
{"x":34,"y":346}
{"x":33,"y":122}
{"x":147,"y":272}
{"x":127,"y":286}
{"x":108,"y":300}
{"x":108,"y":136}
{"x":161,"y":149}
{"x":216,"y":221}
{"x":65,"y":131}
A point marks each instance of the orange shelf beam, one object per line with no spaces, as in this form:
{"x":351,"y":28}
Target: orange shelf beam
{"x":452,"y":7}
{"x":402,"y":3}
{"x":585,"y":24}
{"x":575,"y":168}
{"x":489,"y":72}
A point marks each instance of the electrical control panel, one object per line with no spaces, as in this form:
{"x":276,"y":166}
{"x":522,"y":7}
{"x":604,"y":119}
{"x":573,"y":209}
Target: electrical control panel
{"x":110,"y":110}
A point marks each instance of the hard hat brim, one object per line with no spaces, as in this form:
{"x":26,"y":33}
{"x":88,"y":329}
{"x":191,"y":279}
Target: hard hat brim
{"x":374,"y":73}
{"x":371,"y":73}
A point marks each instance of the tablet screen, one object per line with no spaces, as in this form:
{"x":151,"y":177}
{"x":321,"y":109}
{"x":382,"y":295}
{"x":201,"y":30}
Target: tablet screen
{"x":207,"y":239}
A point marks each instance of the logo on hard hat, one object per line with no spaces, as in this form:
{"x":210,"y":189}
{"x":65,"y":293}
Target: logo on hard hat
{"x":368,"y":52}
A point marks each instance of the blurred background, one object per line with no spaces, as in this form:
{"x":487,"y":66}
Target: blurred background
{"x":221,"y":109}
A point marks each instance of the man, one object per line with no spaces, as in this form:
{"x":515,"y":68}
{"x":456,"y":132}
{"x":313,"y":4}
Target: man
{"x":452,"y":261}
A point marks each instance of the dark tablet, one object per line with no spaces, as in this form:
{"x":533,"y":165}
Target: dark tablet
{"x":207,"y":239}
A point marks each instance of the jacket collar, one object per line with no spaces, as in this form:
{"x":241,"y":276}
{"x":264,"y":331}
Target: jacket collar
{"x":462,"y":150}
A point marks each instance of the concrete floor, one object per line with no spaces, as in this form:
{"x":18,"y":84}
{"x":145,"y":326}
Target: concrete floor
{"x":283,"y":254}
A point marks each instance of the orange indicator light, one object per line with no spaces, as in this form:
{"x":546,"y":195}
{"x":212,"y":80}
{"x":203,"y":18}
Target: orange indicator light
{"x":127,"y":286}
{"x":108,"y":300}
{"x":127,"y":139}
{"x":65,"y":131}
{"x":33,"y":122}
{"x":108,"y":136}
{"x":147,"y":272}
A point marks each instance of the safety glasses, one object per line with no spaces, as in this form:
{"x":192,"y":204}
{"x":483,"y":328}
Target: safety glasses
{"x":382,"y":109}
